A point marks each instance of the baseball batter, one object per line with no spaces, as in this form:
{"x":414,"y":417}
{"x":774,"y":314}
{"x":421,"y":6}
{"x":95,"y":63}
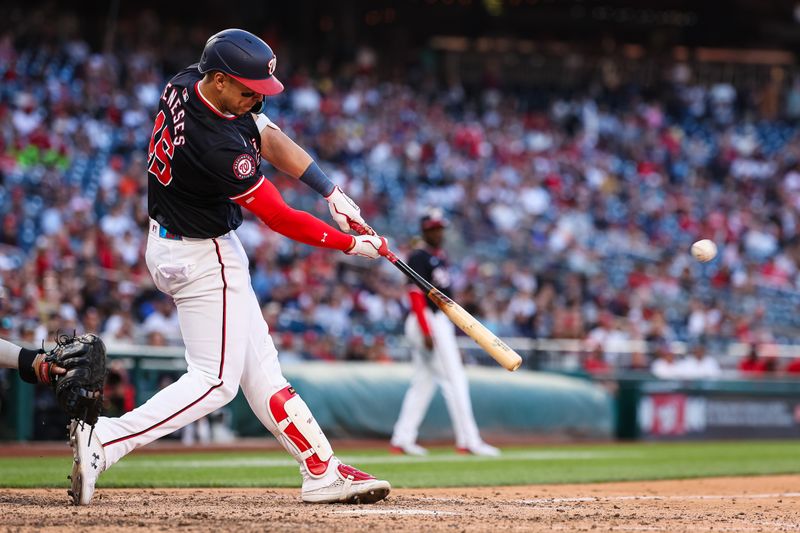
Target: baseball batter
{"x":435,"y":354}
{"x":203,"y":167}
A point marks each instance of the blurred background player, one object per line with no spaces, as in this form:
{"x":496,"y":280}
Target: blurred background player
{"x":435,"y":355}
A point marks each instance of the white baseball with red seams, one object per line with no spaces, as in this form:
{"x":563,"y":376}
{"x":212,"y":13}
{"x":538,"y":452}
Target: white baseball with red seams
{"x":704,"y":250}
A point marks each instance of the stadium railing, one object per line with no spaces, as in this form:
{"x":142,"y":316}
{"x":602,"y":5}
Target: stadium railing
{"x":150,"y":367}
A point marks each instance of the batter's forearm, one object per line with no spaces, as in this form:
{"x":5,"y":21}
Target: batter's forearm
{"x":267,"y":204}
{"x":289,"y":158}
{"x":308,"y":229}
{"x":283,"y":153}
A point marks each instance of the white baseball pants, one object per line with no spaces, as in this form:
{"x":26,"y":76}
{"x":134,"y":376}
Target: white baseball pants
{"x":443,"y":367}
{"x":227,"y":342}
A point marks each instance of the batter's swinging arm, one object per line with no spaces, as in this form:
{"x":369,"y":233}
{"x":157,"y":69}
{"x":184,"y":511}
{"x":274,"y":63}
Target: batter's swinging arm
{"x":499,"y":350}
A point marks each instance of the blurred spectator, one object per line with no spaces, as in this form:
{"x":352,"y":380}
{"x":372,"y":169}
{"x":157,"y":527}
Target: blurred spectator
{"x":317,"y":347}
{"x":568,"y":322}
{"x":378,"y":351}
{"x":594,"y":361}
{"x":752,"y":364}
{"x":163,"y":321}
{"x":119,"y":395}
{"x":770,"y":364}
{"x":121,"y":328}
{"x":356,"y":349}
{"x":699,"y":365}
{"x":794,"y":366}
{"x":287,"y":350}
{"x":599,"y":195}
{"x":665,"y":364}
{"x":156,"y":338}
{"x":638,"y":362}
{"x":609,"y":336}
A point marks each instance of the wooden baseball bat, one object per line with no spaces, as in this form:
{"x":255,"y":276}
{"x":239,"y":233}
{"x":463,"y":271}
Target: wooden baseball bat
{"x":499,"y":350}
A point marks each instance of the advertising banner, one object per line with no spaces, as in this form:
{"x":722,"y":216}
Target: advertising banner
{"x":709,"y":414}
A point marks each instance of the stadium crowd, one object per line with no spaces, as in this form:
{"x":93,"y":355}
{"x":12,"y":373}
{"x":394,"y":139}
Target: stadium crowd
{"x":568,"y":220}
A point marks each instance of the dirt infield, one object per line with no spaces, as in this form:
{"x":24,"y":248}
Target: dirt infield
{"x":719,"y":504}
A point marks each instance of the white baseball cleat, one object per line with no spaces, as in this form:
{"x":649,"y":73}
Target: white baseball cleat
{"x":481,"y":449}
{"x":345,"y":484}
{"x":410,"y":449}
{"x":89,"y":460}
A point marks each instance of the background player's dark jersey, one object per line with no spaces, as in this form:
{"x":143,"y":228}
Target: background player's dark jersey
{"x":433,"y":268}
{"x":198,"y":160}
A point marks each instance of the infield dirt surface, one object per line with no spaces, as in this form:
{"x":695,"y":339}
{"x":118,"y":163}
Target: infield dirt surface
{"x":769,"y":503}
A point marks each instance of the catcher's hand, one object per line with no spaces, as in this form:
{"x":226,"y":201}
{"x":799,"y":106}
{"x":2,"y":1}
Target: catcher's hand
{"x":77,"y":370}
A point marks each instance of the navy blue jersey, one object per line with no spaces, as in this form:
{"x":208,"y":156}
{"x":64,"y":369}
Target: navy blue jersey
{"x":432,"y":267}
{"x":198,"y":160}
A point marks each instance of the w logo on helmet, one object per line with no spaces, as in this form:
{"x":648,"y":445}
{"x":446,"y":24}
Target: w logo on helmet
{"x":243,"y":56}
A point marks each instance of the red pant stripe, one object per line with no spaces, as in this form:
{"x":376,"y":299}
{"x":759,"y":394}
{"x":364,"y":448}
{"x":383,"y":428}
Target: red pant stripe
{"x":163,"y":421}
{"x":224,"y":305}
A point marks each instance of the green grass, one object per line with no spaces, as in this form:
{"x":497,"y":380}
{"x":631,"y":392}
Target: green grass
{"x":443,"y":468}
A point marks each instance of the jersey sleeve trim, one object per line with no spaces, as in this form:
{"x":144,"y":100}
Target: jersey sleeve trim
{"x":250,"y":190}
{"x":263,"y":121}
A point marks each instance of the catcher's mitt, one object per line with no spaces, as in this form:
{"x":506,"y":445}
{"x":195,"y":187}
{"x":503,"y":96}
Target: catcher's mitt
{"x":79,"y":389}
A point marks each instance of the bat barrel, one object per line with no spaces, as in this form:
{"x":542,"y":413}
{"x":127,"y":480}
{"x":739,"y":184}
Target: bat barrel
{"x":499,"y":350}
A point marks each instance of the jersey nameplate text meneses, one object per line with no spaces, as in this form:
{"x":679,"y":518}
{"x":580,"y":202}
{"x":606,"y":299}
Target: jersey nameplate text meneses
{"x":198,"y":159}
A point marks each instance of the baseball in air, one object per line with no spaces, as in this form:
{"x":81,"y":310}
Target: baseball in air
{"x":704,"y":250}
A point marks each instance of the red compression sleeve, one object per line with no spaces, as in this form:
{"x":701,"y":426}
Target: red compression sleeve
{"x":266,"y":203}
{"x":418,"y":306}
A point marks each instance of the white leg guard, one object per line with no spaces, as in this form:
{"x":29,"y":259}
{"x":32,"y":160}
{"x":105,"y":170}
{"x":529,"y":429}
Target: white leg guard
{"x":286,"y":415}
{"x":299,"y":432}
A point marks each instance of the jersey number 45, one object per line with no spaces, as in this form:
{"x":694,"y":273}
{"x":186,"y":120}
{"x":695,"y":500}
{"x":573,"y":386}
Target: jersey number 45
{"x":159,"y":155}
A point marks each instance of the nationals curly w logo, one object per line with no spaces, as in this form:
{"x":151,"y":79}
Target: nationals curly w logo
{"x":244,"y":166}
